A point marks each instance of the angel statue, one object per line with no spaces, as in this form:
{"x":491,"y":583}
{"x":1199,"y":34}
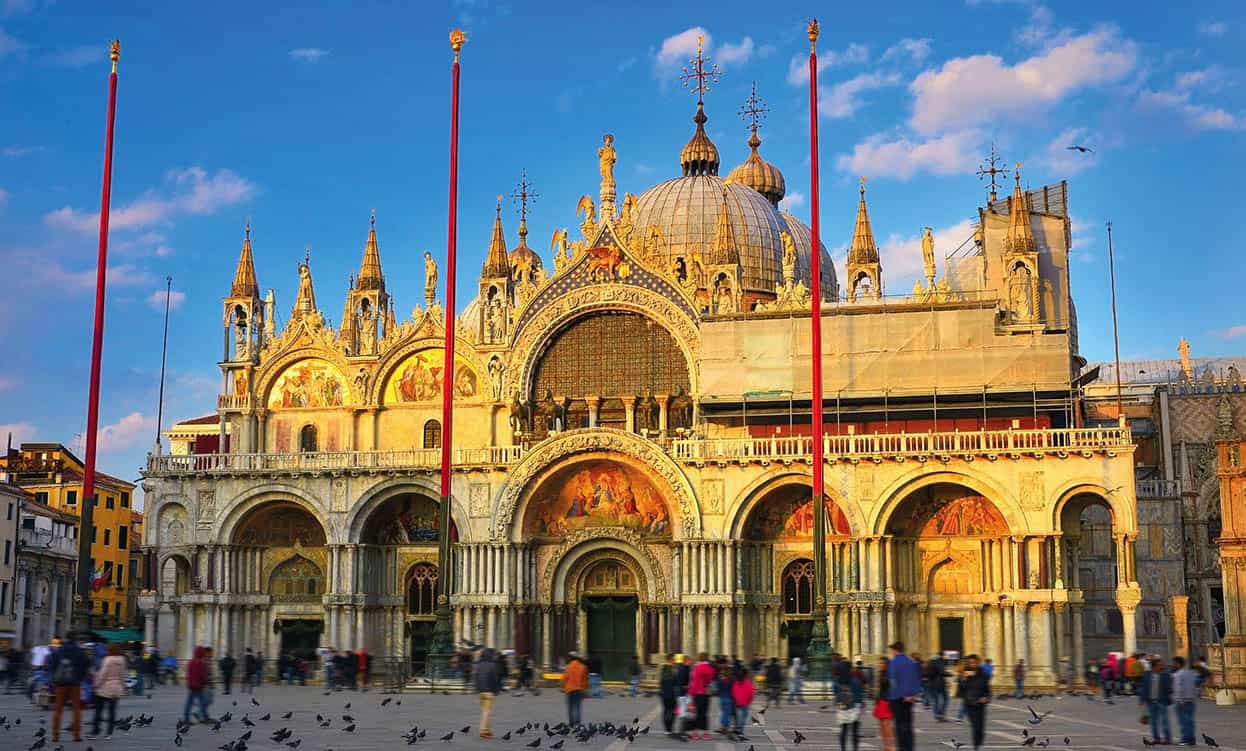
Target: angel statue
{"x":629,"y":207}
{"x":589,"y":210}
{"x":559,"y":242}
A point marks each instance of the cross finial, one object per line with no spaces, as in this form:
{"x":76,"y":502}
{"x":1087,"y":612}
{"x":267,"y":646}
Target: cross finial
{"x":754,"y":109}
{"x":863,"y":181}
{"x":524,"y":194}
{"x":498,"y":210}
{"x":307,"y":255}
{"x":247,"y":228}
{"x":991,"y":168}
{"x":372,"y":219}
{"x":700,"y":73}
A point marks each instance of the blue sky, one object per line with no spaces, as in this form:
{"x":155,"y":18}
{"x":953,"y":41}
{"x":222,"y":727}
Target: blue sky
{"x":305,"y":118}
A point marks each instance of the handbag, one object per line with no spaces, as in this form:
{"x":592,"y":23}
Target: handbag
{"x":848,"y":715}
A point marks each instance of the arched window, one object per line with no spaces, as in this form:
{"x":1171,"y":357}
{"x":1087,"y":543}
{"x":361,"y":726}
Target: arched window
{"x":297,"y":579}
{"x":432,"y":434}
{"x":307,"y":438}
{"x":798,"y":588}
{"x":422,"y":591}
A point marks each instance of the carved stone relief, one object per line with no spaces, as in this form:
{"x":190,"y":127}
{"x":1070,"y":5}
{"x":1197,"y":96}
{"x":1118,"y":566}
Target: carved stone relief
{"x":712,"y":496}
{"x":478,"y":499}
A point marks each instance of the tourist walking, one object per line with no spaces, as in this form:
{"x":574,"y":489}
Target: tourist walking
{"x":667,"y":694}
{"x":795,"y":678}
{"x":488,"y":682}
{"x":742,"y":691}
{"x":1184,"y":698}
{"x":699,"y":683}
{"x":1155,"y":691}
{"x":1018,"y":678}
{"x":108,"y":686}
{"x":774,"y":683}
{"x":882,"y":708}
{"x":574,"y":684}
{"x":69,"y":665}
{"x":849,"y":698}
{"x":365,"y":665}
{"x":905,"y":690}
{"x":250,"y":666}
{"x":197,"y":685}
{"x":936,"y":686}
{"x":226,"y":665}
{"x":974,"y":689}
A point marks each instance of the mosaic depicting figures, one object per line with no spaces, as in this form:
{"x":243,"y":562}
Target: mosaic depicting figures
{"x":419,"y":378}
{"x":281,"y":526}
{"x":597,"y":494}
{"x":792,"y":519}
{"x":966,"y":516}
{"x":310,"y":383}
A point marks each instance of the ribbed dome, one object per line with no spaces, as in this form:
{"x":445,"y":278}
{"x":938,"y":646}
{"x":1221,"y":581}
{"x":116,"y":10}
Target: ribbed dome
{"x":686,"y":210}
{"x":760,"y":175}
{"x":802,"y":236}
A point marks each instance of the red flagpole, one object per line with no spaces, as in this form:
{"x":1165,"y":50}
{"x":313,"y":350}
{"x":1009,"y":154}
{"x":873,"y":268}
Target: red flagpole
{"x":819,"y":647}
{"x":97,"y":340}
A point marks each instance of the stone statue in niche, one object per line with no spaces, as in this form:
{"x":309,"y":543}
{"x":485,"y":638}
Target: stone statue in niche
{"x":681,"y":411}
{"x":495,"y":377}
{"x":647,"y":413}
{"x":1020,"y":293}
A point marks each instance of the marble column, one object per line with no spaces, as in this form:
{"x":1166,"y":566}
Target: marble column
{"x":1079,"y":646}
{"x":1008,"y":624}
{"x":702,"y":640}
{"x":547,"y":636}
{"x":1025,"y":650}
{"x":663,"y":625}
{"x":189,"y":645}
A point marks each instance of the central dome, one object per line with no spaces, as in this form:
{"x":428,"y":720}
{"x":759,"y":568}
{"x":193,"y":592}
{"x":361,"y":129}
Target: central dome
{"x":685,"y":210}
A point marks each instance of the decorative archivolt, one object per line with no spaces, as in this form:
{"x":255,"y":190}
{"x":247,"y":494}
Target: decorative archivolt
{"x":538,"y":330}
{"x":523,"y":477}
{"x":627,"y":545}
{"x":271,"y":371}
{"x":394,"y":358}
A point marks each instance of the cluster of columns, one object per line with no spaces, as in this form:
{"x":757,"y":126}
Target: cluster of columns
{"x":37,"y":622}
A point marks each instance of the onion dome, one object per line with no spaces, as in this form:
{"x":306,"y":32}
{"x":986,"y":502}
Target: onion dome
{"x":522,"y":257}
{"x":699,"y":156}
{"x":244,"y":276}
{"x":758,"y":174}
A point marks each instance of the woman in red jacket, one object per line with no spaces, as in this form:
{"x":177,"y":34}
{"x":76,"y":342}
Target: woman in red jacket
{"x":698,"y":688}
{"x":197,"y":685}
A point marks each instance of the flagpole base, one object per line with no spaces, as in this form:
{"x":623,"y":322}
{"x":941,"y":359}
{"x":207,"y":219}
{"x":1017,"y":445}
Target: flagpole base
{"x":820,"y":664}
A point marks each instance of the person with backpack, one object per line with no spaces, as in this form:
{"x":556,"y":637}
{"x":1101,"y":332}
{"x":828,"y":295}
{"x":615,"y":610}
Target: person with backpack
{"x":109,"y":685}
{"x":197,"y":684}
{"x":70,"y":666}
{"x":849,"y":698}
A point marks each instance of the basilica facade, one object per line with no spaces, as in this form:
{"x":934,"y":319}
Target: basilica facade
{"x":632,"y":445}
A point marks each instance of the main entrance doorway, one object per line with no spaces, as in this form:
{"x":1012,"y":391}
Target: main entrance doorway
{"x":952,"y":635}
{"x":299,"y":638}
{"x":612,"y":632}
{"x":420,"y":634}
{"x":610,"y":603}
{"x":799,"y":634}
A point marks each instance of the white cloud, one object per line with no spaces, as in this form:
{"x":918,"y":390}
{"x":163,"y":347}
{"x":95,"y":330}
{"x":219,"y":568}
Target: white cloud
{"x":308,"y":54}
{"x":53,"y":274}
{"x":971,"y":90}
{"x":677,"y":49}
{"x":12,"y":152}
{"x":916,"y":50}
{"x":844,"y":98}
{"x":156,"y":299}
{"x":1060,"y":160}
{"x":901,"y":256}
{"x":728,"y":54}
{"x":883,"y":156}
{"x":792,"y":201}
{"x":77,"y":57}
{"x":1212,"y":28}
{"x":187,"y":191}
{"x":10,"y":45}
{"x":1194,"y":116}
{"x":18,"y":432}
{"x":1234,"y":332}
{"x":853,"y":54}
{"x":127,"y":432}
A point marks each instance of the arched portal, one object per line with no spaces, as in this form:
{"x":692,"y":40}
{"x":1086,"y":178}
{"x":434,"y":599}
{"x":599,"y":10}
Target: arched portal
{"x":946,"y":543}
{"x":1090,"y":560}
{"x":421,"y":594}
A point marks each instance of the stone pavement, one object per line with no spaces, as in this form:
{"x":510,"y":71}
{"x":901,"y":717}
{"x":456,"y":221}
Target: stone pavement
{"x":1088,"y":724}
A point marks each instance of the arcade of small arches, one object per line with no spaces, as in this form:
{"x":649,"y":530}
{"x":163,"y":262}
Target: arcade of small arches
{"x":596,"y":561}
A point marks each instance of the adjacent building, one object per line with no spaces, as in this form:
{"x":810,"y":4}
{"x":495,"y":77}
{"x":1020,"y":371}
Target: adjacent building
{"x":47,"y":566}
{"x":53,"y":475}
{"x":11,"y":498}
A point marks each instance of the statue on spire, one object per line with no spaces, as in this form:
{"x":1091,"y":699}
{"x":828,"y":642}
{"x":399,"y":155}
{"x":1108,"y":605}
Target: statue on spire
{"x":430,"y":279}
{"x":928,"y":257}
{"x":606,"y":157}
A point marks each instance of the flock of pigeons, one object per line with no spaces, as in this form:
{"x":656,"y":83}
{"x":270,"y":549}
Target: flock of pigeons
{"x":552,"y":736}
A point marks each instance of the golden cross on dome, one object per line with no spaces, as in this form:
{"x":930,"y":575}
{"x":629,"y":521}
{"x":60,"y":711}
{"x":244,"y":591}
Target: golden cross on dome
{"x":754,"y":109}
{"x":991,"y":168}
{"x":524,"y":194}
{"x":701,"y":71}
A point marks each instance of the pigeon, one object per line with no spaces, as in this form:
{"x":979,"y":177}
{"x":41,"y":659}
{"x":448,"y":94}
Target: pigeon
{"x":534,"y":742}
{"x":1066,"y":740}
{"x":348,"y":729}
{"x":1044,"y":743}
{"x":255,"y":701}
{"x":1035,"y":716}
{"x":1081,"y":149}
{"x":247,"y":721}
{"x":507,"y":737}
{"x":44,"y":741}
{"x":956,"y":744}
{"x":347,"y":718}
{"x":1210,"y":741}
{"x":177,"y":741}
{"x":245,"y":736}
{"x":557,"y":745}
{"x":797,"y":737}
{"x":751,"y":747}
{"x":41,"y":732}
{"x":385,"y":702}
{"x":1030,"y":741}
{"x":266,"y":717}
{"x":347,"y":706}
{"x":448,"y":736}
{"x":1147,"y":741}
{"x":294,"y":743}
{"x":465,"y":728}
{"x":287,"y":715}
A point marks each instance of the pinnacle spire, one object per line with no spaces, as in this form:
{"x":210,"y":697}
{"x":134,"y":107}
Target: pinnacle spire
{"x":244,"y":277}
{"x":305,"y":303}
{"x":495,"y":263}
{"x":1020,"y":233}
{"x":863,"y":249}
{"x":725,"y":250}
{"x":370,"y":276}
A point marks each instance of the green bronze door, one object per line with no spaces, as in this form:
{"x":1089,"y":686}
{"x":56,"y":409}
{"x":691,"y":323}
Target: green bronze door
{"x":612,"y":632}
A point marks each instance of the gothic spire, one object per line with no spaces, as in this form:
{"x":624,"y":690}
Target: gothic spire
{"x":305,"y":303}
{"x":725,"y":250}
{"x":496,"y":264}
{"x":370,"y":276}
{"x":863,"y":249}
{"x":244,"y":278}
{"x":1020,"y":233}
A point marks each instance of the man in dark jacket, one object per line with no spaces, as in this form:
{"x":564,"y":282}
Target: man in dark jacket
{"x":936,"y":685}
{"x":487,"y":678}
{"x":1155,"y":691}
{"x":226,"y":665}
{"x":905,"y":678}
{"x":668,"y":692}
{"x":774,"y":682}
{"x":69,"y":666}
{"x":250,"y":668}
{"x":974,"y":690}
